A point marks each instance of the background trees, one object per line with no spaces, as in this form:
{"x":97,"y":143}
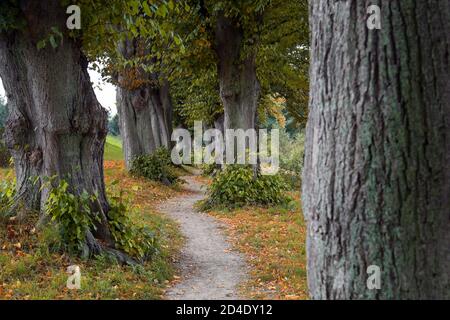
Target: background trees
{"x":270,"y":46}
{"x":113,"y":125}
{"x":129,"y":43}
{"x":376,"y":179}
{"x":4,"y":153}
{"x":3,"y":112}
{"x":183,"y":61}
{"x":144,"y":105}
{"x":57,"y":129}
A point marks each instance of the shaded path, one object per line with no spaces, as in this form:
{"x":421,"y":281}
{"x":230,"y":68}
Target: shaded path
{"x":209,"y":269}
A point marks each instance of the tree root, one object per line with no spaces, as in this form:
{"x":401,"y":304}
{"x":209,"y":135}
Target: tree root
{"x":94,"y":248}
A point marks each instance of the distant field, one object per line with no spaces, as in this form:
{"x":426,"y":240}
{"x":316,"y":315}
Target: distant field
{"x":113,"y":148}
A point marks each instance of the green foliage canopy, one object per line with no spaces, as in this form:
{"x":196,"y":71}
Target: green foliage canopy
{"x":278,"y":31}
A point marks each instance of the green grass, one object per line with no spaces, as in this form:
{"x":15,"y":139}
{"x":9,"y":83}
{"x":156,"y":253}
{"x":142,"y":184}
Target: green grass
{"x":115,"y":141}
{"x":113,"y":148}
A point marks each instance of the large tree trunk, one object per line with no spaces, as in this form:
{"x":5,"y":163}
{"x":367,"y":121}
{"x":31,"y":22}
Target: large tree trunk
{"x":376,"y":179}
{"x":239,"y":85}
{"x":145,"y":109}
{"x":56,"y":126}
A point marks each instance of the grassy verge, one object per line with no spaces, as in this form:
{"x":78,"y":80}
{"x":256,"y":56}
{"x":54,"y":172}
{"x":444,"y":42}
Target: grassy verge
{"x":273,"y":242}
{"x":30,"y":270}
{"x":113,"y":148}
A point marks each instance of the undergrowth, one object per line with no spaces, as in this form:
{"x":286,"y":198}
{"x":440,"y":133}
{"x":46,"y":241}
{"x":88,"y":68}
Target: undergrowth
{"x":74,"y":218}
{"x":156,"y":167}
{"x":34,"y":262}
{"x":7,"y":193}
{"x":237,"y":186}
{"x":33,"y":267}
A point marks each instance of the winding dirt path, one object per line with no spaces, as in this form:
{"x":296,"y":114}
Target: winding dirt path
{"x":210,"y":270}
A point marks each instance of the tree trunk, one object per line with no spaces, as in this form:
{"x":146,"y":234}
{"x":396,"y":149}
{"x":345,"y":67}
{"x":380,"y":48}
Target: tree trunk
{"x":239,"y":85}
{"x":145,"y":109}
{"x":144,"y":124}
{"x":219,"y":123}
{"x":376,"y":180}
{"x":56,"y":126}
{"x":167,"y":106}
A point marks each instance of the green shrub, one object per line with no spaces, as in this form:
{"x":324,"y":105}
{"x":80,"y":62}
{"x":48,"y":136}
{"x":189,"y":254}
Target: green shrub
{"x":210,"y":170}
{"x":7,"y":193}
{"x":75,"y":218}
{"x":292,"y":151}
{"x":292,"y":180}
{"x":73,"y":215}
{"x":237,"y":186}
{"x":138,"y":242}
{"x":157,"y":167}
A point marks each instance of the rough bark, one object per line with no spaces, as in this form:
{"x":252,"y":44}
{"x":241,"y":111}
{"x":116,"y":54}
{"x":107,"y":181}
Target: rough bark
{"x":376,"y":181}
{"x":145,"y":110}
{"x":144,"y":121}
{"x":56,"y":126}
{"x":239,"y":86}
